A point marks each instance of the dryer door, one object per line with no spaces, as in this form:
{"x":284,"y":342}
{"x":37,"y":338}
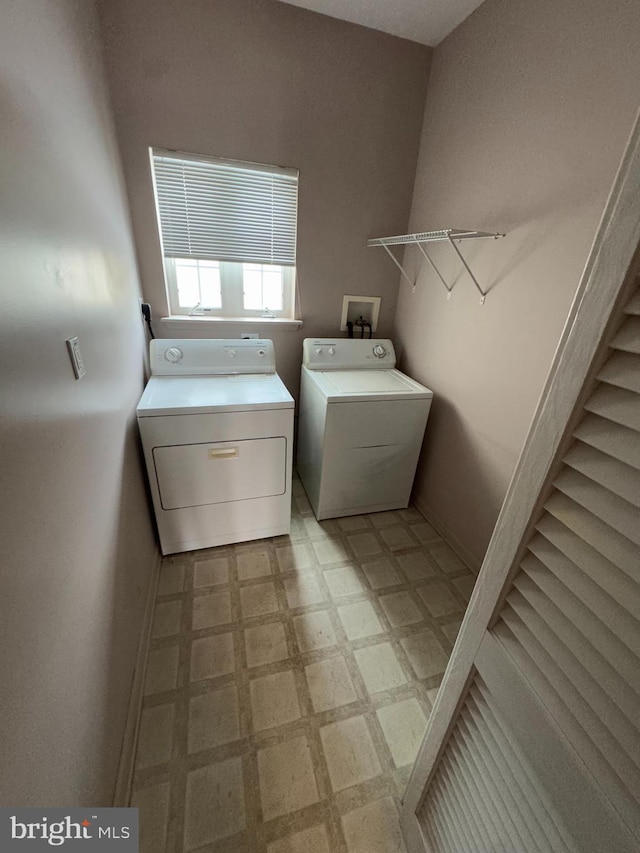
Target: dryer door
{"x":199,"y":474}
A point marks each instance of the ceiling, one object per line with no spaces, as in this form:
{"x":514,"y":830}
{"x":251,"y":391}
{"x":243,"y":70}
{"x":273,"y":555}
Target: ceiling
{"x":424,"y":21}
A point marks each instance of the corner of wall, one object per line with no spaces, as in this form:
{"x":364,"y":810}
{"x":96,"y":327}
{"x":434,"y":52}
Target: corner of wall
{"x":469,"y":559}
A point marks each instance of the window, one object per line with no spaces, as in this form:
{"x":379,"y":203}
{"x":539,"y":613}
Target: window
{"x":228,"y":232}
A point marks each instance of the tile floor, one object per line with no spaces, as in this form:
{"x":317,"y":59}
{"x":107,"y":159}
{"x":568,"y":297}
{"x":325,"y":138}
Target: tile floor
{"x":289,"y":682}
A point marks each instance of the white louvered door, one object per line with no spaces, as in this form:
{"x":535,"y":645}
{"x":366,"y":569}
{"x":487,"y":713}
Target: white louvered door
{"x":534,"y":742}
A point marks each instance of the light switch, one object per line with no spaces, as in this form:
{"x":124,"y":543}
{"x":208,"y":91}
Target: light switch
{"x":76,"y":358}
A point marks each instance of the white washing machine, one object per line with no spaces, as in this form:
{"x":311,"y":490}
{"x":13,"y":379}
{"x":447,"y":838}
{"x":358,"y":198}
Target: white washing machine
{"x":217,"y":431}
{"x":360,"y":429}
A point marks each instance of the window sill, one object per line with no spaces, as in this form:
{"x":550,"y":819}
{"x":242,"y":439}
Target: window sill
{"x":187,"y":321}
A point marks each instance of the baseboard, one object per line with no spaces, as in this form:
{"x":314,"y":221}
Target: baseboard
{"x":470,"y":561}
{"x":124,"y":778}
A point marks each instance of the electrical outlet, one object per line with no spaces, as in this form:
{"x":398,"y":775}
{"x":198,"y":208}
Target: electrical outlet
{"x":249,"y":336}
{"x":76,"y":358}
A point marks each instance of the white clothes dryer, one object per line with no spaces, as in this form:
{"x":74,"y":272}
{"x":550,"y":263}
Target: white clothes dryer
{"x":216,"y":423}
{"x":361,"y":427}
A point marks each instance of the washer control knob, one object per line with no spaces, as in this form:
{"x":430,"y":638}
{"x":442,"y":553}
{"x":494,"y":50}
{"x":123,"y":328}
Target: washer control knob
{"x":332,"y":350}
{"x":319,"y":350}
{"x":379,"y":351}
{"x":262,"y":353}
{"x":231,"y":353}
{"x":173,"y":354}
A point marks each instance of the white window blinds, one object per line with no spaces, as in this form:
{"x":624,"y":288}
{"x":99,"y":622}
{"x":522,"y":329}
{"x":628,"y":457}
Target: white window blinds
{"x":225,"y":210}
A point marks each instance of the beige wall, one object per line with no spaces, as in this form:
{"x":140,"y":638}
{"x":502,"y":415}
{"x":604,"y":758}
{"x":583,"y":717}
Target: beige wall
{"x":528,"y":111}
{"x":77,"y":541}
{"x":263,"y":81}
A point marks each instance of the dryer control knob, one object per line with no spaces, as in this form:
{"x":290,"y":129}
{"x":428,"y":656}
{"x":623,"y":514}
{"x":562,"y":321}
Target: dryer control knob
{"x":173,"y":354}
{"x":319,"y":350}
{"x":262,"y":353}
{"x":379,"y":351}
{"x":332,"y":351}
{"x":231,"y":353}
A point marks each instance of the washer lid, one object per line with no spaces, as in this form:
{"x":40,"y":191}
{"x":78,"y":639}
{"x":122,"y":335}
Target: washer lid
{"x":192,"y":395}
{"x":343,"y":386}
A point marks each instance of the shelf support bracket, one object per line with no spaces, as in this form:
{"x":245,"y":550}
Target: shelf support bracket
{"x":483,"y":293}
{"x":434,"y":268}
{"x":398,"y":264}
